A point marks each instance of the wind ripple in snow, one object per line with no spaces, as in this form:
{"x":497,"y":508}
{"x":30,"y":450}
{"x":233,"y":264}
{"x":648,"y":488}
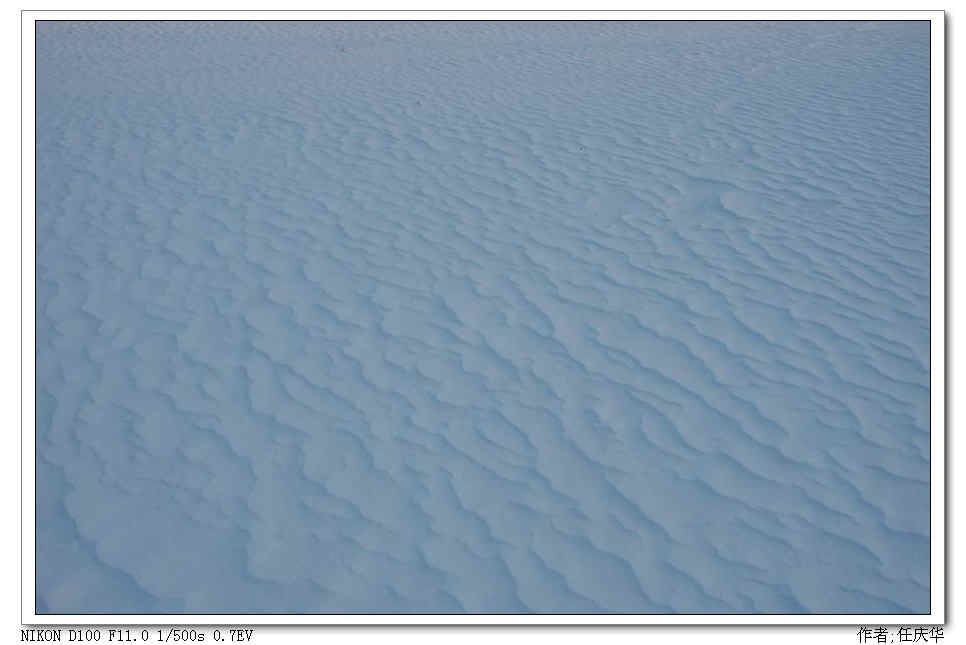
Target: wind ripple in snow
{"x":482,"y":317}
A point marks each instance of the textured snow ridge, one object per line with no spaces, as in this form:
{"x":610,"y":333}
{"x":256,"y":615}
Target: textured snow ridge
{"x":483,"y":317}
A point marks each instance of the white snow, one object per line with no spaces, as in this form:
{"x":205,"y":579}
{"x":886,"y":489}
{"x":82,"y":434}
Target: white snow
{"x":483,"y":317}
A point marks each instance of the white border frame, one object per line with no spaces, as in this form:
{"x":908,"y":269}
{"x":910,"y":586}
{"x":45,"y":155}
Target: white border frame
{"x":937,"y":334}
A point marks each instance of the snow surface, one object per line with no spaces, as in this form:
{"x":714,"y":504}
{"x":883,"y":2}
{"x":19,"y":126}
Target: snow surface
{"x":483,"y":317}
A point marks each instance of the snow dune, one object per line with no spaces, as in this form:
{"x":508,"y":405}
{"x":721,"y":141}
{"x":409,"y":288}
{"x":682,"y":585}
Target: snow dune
{"x":483,"y":317}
